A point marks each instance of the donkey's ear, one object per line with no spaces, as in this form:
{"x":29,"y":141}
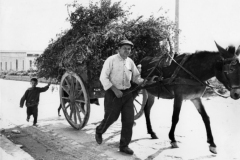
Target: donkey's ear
{"x":238,"y":51}
{"x":231,"y":49}
{"x":224,"y":53}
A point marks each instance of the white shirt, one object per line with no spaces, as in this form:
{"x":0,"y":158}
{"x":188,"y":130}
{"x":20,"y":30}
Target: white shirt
{"x":119,"y":72}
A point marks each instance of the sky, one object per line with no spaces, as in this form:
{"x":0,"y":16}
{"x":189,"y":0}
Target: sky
{"x":31,"y":24}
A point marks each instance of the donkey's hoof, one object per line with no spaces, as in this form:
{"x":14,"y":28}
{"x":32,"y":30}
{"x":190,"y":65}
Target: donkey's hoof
{"x":174,"y":145}
{"x":213,"y":149}
{"x":154,"y":136}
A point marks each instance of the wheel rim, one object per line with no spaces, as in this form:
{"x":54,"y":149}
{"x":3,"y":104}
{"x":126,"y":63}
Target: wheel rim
{"x":74,"y":100}
{"x":139,"y":103}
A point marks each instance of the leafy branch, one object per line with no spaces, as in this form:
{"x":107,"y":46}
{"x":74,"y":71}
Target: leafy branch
{"x":94,"y":35}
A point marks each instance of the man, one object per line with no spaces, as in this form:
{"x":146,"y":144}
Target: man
{"x":117,"y":72}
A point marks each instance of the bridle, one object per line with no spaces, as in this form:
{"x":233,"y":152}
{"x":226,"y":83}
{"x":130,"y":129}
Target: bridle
{"x":229,"y":69}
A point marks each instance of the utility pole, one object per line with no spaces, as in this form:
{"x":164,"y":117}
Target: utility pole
{"x":177,"y":26}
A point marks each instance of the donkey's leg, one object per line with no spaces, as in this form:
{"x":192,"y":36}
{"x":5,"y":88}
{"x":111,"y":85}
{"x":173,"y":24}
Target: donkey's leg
{"x":198,"y":104}
{"x":175,"y":117}
{"x":147,"y":110}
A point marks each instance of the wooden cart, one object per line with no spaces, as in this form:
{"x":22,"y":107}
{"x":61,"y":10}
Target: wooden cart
{"x":75,"y":95}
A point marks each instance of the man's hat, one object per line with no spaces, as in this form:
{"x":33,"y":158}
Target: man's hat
{"x":125,"y":42}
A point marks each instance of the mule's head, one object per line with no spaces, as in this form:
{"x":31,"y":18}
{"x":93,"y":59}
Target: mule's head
{"x":228,"y":70}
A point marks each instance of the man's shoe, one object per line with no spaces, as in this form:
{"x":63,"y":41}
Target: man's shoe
{"x":126,"y":150}
{"x":98,"y":138}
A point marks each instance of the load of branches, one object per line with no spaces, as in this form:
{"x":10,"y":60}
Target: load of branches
{"x":95,"y":32}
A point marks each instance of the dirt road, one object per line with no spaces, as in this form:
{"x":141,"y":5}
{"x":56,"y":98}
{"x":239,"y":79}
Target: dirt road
{"x":44,"y":144}
{"x":54,"y":138}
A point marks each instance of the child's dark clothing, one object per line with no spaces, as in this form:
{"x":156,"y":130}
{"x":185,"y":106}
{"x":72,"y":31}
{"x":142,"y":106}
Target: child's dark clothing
{"x":31,"y":97}
{"x":32,"y":111}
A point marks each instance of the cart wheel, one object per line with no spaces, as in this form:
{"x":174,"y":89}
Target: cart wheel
{"x":74,"y":100}
{"x":139,"y":103}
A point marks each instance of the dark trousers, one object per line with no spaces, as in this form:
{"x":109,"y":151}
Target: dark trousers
{"x":32,"y":111}
{"x":113,"y":106}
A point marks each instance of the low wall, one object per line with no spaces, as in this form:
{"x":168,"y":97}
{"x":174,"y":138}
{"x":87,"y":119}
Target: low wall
{"x":23,"y":78}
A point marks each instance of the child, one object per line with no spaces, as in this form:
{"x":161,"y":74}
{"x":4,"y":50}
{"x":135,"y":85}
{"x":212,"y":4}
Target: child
{"x":31,"y":97}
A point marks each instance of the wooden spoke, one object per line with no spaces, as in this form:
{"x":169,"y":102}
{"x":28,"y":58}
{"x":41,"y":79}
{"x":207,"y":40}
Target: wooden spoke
{"x":80,"y":108}
{"x":135,"y":108}
{"x":77,"y":85}
{"x":72,"y":84}
{"x":78,"y":93}
{"x":139,"y":104}
{"x":137,"y":101}
{"x":67,"y":106}
{"x":71,"y":112}
{"x":68,"y":84}
{"x":65,"y":89}
{"x":71,"y":96}
{"x":65,"y":98}
{"x":79,"y":117}
{"x":74,"y":113}
{"x":80,"y":101}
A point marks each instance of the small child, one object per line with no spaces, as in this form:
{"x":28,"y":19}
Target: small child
{"x":31,"y":97}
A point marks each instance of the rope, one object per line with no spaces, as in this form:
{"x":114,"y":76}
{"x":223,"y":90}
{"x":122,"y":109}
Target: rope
{"x":205,"y":84}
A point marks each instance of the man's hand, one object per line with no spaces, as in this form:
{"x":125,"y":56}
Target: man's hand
{"x":117,"y":92}
{"x":151,"y":81}
{"x":21,"y":106}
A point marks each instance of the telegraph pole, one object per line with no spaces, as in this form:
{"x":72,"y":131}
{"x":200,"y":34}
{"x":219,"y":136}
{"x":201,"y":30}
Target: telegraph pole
{"x":177,"y":25}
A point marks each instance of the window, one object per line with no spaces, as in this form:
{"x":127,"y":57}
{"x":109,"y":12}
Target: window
{"x":23,"y":65}
{"x":16,"y":64}
{"x":30,"y":63}
{"x":5,"y":65}
{"x":10,"y":65}
{"x":1,"y":66}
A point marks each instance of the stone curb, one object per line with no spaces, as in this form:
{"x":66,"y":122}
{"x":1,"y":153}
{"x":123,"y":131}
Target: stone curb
{"x":9,"y":150}
{"x":23,"y":78}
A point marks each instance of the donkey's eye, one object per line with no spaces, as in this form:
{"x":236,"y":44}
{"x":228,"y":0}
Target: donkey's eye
{"x":234,"y":62}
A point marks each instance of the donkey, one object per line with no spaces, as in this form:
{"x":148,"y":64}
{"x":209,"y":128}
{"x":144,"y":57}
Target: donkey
{"x":185,"y":79}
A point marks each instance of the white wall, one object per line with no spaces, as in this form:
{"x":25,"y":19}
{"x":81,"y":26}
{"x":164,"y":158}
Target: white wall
{"x":17,"y":61}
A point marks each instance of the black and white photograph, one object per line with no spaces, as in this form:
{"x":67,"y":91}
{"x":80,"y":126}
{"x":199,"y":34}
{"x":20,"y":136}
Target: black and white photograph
{"x":119,"y":79}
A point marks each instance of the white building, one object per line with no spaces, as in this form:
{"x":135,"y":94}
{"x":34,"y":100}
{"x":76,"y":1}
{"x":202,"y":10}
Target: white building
{"x":18,"y":60}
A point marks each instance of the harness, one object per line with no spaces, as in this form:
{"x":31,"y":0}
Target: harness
{"x":227,"y":69}
{"x":207,"y":84}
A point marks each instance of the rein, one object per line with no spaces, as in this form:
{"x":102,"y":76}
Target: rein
{"x":169,"y":81}
{"x":203,"y":83}
{"x":230,"y":87}
{"x":145,"y":79}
